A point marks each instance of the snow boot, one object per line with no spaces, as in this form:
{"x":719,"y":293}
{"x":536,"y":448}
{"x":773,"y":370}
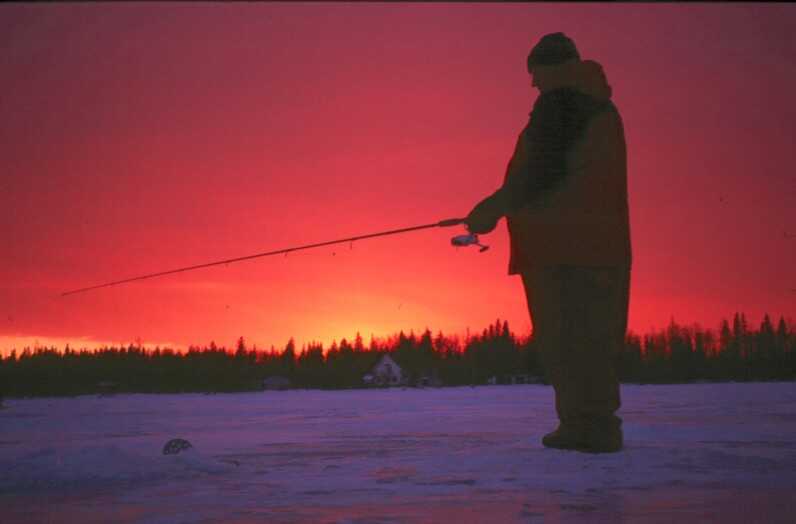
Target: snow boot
{"x":604,"y":435}
{"x":565,"y":437}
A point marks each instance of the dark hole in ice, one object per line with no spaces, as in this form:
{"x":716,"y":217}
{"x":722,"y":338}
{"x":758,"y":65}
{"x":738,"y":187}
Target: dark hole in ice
{"x":176,"y":445}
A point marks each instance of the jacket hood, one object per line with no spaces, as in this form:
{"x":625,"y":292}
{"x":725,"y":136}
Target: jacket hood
{"x":591,"y":80}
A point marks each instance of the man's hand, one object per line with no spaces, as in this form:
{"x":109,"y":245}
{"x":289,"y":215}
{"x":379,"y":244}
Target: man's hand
{"x":484,"y":216}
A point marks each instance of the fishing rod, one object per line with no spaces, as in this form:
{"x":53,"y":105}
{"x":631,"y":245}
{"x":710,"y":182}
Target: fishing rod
{"x":460,"y":240}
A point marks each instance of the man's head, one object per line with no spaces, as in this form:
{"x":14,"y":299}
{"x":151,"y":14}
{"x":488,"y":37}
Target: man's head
{"x":552,"y":62}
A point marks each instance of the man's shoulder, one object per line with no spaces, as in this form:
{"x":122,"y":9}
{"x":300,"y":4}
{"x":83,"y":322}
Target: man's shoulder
{"x":553,"y":98}
{"x":568,"y":104}
{"x":550,"y":104}
{"x":570,"y":96}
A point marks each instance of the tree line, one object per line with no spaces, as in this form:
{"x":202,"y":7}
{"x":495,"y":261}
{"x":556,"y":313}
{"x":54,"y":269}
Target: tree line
{"x":671,"y":355}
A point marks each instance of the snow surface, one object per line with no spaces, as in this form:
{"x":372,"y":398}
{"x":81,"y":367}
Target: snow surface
{"x":694,"y":453}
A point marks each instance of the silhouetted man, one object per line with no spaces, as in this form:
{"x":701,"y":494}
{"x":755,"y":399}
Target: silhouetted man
{"x":565,"y":199}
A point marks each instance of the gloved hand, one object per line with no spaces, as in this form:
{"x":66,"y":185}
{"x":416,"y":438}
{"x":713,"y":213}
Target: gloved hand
{"x":484,"y":216}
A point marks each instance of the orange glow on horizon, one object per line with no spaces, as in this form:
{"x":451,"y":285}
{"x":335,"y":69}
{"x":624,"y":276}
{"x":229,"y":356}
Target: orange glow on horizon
{"x":220,"y":130}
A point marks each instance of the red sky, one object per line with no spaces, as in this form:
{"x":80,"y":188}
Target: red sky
{"x":143,"y":137}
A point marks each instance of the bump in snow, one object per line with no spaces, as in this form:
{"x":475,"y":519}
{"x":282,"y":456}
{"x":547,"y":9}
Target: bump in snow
{"x":175,"y":446}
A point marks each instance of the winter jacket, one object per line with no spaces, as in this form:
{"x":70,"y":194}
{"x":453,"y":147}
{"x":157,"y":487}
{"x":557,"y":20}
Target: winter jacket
{"x":565,"y":189}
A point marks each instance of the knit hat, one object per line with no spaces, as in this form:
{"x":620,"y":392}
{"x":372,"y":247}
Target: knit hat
{"x":552,"y":49}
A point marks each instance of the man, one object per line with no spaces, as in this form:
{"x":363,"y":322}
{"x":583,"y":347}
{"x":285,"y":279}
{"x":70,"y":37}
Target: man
{"x":565,"y":199}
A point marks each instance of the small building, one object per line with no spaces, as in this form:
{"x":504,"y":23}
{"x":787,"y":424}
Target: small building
{"x":515,"y":378}
{"x":276,"y":383}
{"x":386,"y":372}
{"x":524,"y":378}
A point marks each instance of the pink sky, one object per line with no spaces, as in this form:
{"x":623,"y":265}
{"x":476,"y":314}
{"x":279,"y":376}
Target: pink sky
{"x":143,"y":137}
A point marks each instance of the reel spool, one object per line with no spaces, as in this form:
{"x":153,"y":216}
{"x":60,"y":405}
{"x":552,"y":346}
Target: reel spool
{"x":468,"y":240}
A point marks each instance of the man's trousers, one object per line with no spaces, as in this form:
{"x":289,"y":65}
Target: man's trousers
{"x":579,"y":317}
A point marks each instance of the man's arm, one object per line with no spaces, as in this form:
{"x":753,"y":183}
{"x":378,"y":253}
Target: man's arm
{"x":535,"y":167}
{"x":486,"y":214}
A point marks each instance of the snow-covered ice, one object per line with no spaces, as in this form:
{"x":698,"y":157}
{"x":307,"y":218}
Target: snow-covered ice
{"x":694,"y":453}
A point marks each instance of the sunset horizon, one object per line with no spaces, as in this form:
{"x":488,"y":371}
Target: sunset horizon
{"x":140,"y":138}
{"x":17,"y":345}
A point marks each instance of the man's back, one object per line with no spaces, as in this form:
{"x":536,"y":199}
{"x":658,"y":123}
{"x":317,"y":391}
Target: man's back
{"x":576,"y":211}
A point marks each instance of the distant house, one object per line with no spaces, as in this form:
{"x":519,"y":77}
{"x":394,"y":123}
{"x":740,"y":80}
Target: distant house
{"x":276,"y":383}
{"x":523,"y":378}
{"x":386,"y":372}
{"x":517,"y":378}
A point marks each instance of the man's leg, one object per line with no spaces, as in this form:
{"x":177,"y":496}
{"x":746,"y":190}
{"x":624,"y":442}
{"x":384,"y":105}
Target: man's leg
{"x":599,"y":305}
{"x":580,"y":317}
{"x":545,"y":292}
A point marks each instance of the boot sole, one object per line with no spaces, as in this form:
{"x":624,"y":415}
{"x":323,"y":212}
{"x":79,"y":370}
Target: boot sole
{"x":583,"y":448}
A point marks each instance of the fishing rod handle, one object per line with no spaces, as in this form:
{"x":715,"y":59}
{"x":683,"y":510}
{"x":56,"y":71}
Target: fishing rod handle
{"x":450,"y":222}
